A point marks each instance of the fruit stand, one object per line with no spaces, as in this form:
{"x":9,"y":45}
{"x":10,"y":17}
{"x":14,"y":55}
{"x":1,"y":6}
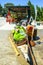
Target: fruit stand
{"x":17,"y":39}
{"x":17,"y":51}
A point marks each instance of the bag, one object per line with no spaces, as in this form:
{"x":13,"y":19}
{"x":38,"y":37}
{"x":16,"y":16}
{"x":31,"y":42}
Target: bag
{"x":32,"y":43}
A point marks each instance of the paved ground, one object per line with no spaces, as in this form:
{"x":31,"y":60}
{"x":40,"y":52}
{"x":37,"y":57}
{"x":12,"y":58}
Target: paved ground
{"x":7,"y":55}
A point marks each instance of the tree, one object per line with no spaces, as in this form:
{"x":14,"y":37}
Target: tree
{"x":0,"y":9}
{"x":39,"y":13}
{"x":4,"y":11}
{"x":32,"y":9}
{"x":8,"y":4}
{"x":42,"y":13}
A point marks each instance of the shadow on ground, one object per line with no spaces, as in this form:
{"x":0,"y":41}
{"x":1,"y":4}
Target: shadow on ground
{"x":36,"y":38}
{"x":39,"y":42}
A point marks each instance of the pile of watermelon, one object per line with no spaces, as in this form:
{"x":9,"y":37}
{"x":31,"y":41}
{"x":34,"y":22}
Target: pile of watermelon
{"x":19,"y":33}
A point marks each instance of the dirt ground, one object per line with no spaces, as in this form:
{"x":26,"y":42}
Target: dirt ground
{"x":38,"y":49}
{"x":7,"y":55}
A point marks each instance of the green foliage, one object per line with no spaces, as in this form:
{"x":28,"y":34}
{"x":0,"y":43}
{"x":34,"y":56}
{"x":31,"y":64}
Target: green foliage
{"x":32,"y":9}
{"x":42,"y":14}
{"x":4,"y":11}
{"x":0,"y":9}
{"x":8,"y":4}
{"x":39,"y":13}
{"x":37,"y":18}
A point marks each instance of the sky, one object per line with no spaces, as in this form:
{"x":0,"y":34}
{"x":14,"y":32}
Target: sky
{"x":22,"y":2}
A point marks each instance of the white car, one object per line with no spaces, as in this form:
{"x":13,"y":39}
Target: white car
{"x":23,"y":22}
{"x":37,"y":25}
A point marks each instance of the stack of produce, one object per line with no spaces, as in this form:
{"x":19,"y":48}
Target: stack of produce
{"x":19,"y":34}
